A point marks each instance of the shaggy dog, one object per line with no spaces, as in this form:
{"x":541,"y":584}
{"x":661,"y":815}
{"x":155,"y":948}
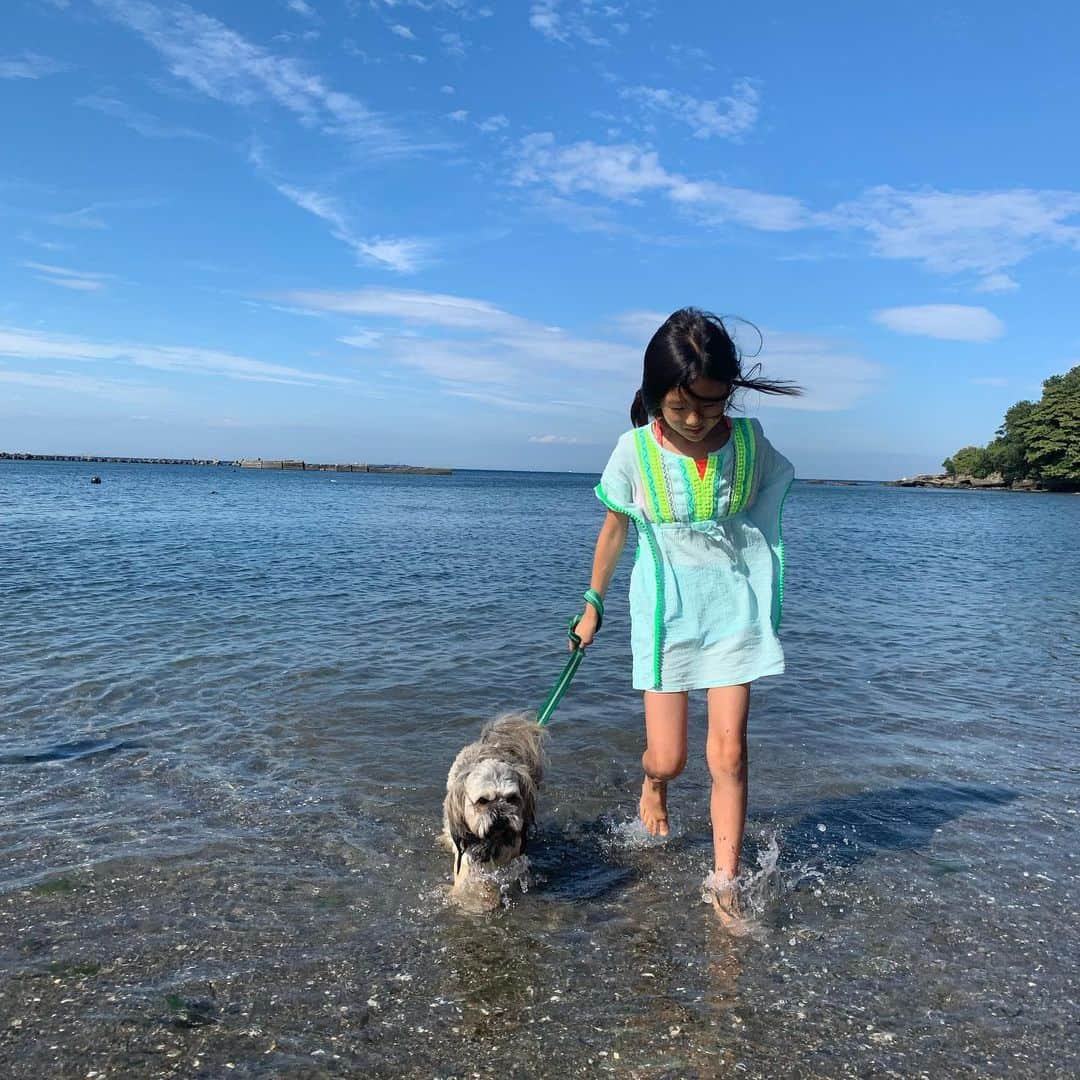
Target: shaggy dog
{"x":491,"y":802}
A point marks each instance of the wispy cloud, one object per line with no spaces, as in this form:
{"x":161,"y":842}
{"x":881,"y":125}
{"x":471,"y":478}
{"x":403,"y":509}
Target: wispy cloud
{"x":494,"y":123}
{"x":558,"y":440}
{"x":143,"y":122}
{"x":38,"y":345}
{"x":949,"y":322}
{"x":479,"y":350}
{"x":727,"y":118}
{"x":833,"y":375}
{"x":570,"y":21}
{"x":91,"y":216}
{"x":997,"y":283}
{"x":947,"y":232}
{"x":951,"y":232}
{"x":404,"y":255}
{"x":70,"y":382}
{"x":625,"y":172}
{"x":639,"y":325}
{"x":222,"y":64}
{"x":302,"y":7}
{"x":30,"y":65}
{"x":402,"y":32}
{"x":38,"y":241}
{"x":80,"y":280}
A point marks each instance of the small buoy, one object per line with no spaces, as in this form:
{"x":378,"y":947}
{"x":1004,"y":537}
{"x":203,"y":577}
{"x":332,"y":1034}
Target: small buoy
{"x":95,"y":479}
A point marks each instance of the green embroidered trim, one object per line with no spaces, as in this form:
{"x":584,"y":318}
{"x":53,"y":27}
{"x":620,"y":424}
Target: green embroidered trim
{"x":700,"y":490}
{"x":780,"y":551}
{"x":742,"y":431}
{"x":645,"y":529}
{"x":652,"y":472}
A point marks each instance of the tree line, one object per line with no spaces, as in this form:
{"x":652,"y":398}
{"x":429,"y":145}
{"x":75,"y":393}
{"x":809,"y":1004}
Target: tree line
{"x":1039,"y":440}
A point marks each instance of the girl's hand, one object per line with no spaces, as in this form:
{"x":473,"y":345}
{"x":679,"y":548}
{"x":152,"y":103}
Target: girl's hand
{"x":586,"y":627}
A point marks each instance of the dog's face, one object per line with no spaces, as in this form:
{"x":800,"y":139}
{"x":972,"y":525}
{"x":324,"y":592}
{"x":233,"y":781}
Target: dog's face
{"x":491,"y":801}
{"x":494,"y":799}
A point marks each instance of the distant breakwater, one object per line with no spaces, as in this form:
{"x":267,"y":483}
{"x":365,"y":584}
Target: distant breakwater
{"x":243,"y":463}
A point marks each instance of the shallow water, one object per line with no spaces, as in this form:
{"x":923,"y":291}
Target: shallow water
{"x":228,"y":701}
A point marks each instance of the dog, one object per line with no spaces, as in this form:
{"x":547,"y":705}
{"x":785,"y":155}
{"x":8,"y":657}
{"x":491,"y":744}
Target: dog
{"x":490,"y":804}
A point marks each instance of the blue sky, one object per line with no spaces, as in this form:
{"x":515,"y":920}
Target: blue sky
{"x":441,"y":231}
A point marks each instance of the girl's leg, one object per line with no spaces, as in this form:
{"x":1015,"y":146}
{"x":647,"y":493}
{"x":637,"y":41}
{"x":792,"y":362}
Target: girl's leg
{"x":664,"y":757}
{"x":725,"y":751}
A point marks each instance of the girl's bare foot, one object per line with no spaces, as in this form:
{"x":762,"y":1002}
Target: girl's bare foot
{"x":724,"y":897}
{"x":653,"y":806}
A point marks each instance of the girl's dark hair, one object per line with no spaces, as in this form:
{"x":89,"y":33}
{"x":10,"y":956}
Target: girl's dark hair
{"x":689,"y":345}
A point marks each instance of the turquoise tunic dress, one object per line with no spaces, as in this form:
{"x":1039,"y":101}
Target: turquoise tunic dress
{"x":707,"y":587}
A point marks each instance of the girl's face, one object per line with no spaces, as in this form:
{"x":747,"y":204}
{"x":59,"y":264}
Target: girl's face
{"x":693,"y":412}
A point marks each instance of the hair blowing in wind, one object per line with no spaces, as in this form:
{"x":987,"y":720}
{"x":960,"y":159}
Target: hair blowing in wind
{"x":691,"y":344}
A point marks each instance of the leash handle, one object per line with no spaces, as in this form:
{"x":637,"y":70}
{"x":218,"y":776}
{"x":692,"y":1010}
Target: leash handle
{"x":577,"y":654}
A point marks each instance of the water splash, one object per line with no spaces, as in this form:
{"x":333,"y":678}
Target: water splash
{"x":498,"y":886}
{"x":746,"y":898}
{"x":630,"y":834}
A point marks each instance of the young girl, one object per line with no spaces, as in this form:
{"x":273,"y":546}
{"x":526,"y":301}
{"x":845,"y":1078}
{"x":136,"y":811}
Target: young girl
{"x":705,"y":493}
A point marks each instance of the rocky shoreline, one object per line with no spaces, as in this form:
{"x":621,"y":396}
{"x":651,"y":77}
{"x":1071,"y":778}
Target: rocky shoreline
{"x":965,"y":482}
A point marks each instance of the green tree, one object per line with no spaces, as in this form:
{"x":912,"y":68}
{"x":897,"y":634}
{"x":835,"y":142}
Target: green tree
{"x":1038,"y":440}
{"x":971,"y":460}
{"x":1052,"y":432}
{"x":1008,"y":452}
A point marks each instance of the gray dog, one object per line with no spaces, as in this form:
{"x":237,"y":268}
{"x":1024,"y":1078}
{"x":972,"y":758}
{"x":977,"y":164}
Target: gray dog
{"x":491,"y":802}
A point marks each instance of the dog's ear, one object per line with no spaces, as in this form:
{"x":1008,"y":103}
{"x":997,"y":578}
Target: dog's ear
{"x":456,"y":825}
{"x":528,"y":795}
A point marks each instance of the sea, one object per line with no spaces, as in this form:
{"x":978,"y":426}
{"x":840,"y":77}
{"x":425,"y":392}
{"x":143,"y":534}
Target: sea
{"x":229,"y":699}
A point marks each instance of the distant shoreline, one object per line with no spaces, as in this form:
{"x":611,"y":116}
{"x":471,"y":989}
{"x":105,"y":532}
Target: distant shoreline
{"x":275,"y":464}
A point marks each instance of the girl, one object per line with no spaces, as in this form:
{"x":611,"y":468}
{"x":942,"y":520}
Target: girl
{"x":705,"y":494}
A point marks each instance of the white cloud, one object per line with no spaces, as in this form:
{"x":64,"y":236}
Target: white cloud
{"x":459,"y":115}
{"x":30,"y":65}
{"x":951,"y":232}
{"x":80,"y":280}
{"x":997,"y":283}
{"x":223,"y":65}
{"x":833,"y":377}
{"x":494,"y":123}
{"x":949,"y":322}
{"x":87,"y":217}
{"x":947,"y":232}
{"x":362,"y":339}
{"x":302,"y":7}
{"x":478,"y":350}
{"x":625,"y":172}
{"x":402,"y":32}
{"x":447,"y":89}
{"x":558,"y":440}
{"x":566,"y":22}
{"x":453,"y":43}
{"x":142,"y":122}
{"x":727,"y":118}
{"x":430,"y":309}
{"x":640,"y":325}
{"x":68,"y":382}
{"x":38,"y":345}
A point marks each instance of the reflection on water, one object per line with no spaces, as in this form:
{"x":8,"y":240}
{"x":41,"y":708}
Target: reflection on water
{"x":225,"y":726}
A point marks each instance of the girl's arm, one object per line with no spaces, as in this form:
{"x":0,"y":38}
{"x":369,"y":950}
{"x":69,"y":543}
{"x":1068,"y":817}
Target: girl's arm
{"x":609,"y":546}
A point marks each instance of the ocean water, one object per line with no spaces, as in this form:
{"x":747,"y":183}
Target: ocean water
{"x":229,"y":699}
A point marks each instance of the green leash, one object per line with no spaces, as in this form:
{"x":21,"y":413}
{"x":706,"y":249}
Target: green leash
{"x":562,"y":684}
